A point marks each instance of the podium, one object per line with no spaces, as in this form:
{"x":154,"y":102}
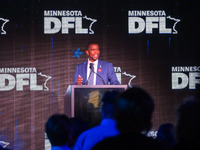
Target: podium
{"x":84,"y":101}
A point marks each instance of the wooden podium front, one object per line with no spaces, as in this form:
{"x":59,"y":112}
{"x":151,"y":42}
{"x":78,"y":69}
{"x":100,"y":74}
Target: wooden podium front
{"x":84,"y":101}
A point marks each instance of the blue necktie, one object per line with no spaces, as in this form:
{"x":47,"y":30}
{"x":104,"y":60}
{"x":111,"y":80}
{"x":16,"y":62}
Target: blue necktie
{"x":91,"y":76}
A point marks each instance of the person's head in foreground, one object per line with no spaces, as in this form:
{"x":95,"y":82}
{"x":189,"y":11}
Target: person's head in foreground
{"x":135,"y":107}
{"x":58,"y":130}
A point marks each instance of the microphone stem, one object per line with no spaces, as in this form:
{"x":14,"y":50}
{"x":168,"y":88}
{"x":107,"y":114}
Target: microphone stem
{"x":98,"y":76}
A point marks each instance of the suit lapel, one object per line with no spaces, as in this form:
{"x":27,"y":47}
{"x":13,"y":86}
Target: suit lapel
{"x":85,"y":72}
{"x":99,"y":72}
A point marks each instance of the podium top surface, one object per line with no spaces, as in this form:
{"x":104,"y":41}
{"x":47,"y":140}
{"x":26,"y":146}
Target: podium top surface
{"x":99,"y":86}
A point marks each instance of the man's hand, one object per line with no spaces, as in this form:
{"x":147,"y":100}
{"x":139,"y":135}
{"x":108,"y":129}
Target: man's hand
{"x":79,"y":80}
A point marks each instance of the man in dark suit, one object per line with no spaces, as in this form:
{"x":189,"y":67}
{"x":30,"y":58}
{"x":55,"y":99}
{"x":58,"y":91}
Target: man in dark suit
{"x":104,"y":71}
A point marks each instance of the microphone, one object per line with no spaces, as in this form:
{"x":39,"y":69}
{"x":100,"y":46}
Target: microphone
{"x":90,"y":73}
{"x":96,"y":74}
{"x":91,"y":64}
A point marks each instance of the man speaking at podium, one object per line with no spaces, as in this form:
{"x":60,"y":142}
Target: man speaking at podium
{"x":94,"y":71}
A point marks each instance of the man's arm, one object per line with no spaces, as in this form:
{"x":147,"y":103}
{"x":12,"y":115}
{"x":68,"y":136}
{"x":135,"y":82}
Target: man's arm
{"x":75,"y":75}
{"x":77,"y":80}
{"x":112,"y":76}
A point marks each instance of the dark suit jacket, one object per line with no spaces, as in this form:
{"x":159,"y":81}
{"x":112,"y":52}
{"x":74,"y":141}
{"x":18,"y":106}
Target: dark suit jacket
{"x":104,"y":69}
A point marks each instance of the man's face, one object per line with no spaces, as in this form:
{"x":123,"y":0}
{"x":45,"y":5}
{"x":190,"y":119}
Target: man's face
{"x":93,"y":52}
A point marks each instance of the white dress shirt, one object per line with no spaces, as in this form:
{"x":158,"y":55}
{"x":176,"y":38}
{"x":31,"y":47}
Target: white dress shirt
{"x":95,"y":70}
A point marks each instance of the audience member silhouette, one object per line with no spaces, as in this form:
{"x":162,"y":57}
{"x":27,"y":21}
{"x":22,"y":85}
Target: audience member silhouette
{"x":107,"y":128}
{"x":78,"y":126}
{"x":166,"y":134}
{"x":58,"y":130}
{"x":188,"y":125}
{"x":134,"y":113}
{"x":2,"y":148}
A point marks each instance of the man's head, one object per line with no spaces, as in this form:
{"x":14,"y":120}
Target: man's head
{"x":108,"y":108}
{"x":188,"y":125}
{"x":93,"y":51}
{"x":58,"y":129}
{"x":134,"y":111}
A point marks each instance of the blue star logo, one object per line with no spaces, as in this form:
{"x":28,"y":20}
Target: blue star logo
{"x":77,"y":53}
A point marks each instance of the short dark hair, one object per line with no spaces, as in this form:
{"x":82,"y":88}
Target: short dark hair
{"x":91,"y":43}
{"x":58,"y":129}
{"x":135,"y":107}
